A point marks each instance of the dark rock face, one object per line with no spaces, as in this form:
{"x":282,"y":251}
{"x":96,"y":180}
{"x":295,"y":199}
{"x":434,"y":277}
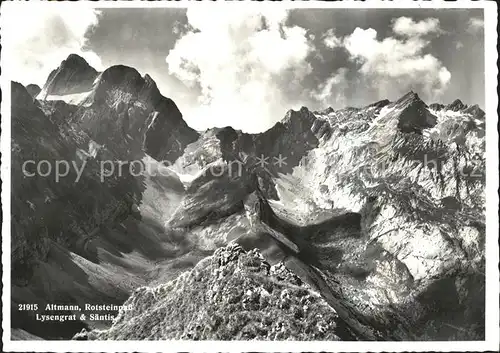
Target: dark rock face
{"x":67,"y":234}
{"x":267,"y":154}
{"x":280,"y":140}
{"x":61,"y":228}
{"x":122,"y":110}
{"x":74,"y":75}
{"x":321,"y":129}
{"x":35,"y":137}
{"x":130,"y":111}
{"x":456,"y":105}
{"x":33,"y":90}
{"x":475,"y":111}
{"x":415,"y":117}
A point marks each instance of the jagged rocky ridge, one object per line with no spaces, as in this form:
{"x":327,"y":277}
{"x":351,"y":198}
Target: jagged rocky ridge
{"x":416,"y":177}
{"x":119,"y":108}
{"x":281,"y":139}
{"x":230,"y":295}
{"x":380,"y":210}
{"x":422,"y":196}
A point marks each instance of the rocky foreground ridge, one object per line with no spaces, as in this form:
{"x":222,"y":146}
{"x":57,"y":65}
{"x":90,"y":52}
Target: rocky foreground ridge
{"x":378,"y":215}
{"x":231,"y":295}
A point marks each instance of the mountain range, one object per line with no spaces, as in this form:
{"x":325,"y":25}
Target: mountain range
{"x":363,"y":223}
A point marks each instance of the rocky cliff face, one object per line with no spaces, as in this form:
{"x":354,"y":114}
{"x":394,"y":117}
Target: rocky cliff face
{"x":375,"y":215}
{"x":233,"y":155}
{"x":133,"y":111}
{"x":414,"y":117}
{"x":72,"y":237}
{"x":417,"y":175}
{"x":74,"y":75}
{"x":231,"y":295}
{"x":55,"y":220}
{"x":413,"y":174}
{"x":280,"y":141}
{"x":118,"y":108}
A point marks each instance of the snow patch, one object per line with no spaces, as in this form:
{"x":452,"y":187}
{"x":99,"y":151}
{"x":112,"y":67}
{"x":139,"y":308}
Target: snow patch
{"x":75,"y":98}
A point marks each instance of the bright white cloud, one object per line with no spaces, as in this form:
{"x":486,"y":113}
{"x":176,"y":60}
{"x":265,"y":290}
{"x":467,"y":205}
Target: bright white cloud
{"x":459,"y":45}
{"x":243,"y":60}
{"x":406,"y":26}
{"x":38,"y":37}
{"x":475,"y":25}
{"x":331,"y":40}
{"x":332,"y":91}
{"x":393,"y":66}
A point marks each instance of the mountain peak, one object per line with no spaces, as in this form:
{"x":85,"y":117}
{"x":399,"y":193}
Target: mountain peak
{"x":118,"y":73}
{"x":477,"y":112}
{"x":409,"y":98}
{"x":134,"y":104}
{"x":75,"y":61}
{"x":126,"y":79}
{"x":456,"y":105}
{"x":414,"y":116}
{"x":74,"y":75}
{"x":20,"y":94}
{"x":303,"y":115}
{"x":149,"y":80}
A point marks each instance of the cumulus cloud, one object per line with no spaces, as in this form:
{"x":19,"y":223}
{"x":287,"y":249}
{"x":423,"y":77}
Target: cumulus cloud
{"x":406,"y":26}
{"x":331,"y":40}
{"x":475,"y":25}
{"x":38,"y":37}
{"x":332,"y":91}
{"x":243,"y":61}
{"x":393,"y":65}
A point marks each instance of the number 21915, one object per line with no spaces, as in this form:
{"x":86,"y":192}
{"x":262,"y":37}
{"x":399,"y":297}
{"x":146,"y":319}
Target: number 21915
{"x":25,"y":307}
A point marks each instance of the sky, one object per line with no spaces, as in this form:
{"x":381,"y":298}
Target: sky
{"x":245,"y":67}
